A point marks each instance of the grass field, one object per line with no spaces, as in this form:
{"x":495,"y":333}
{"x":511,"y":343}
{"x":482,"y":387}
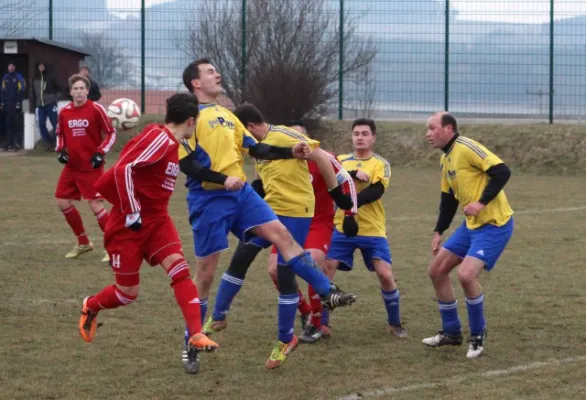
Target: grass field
{"x":534,"y":306}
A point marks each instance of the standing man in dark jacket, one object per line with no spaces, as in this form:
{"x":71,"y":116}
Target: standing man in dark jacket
{"x":94,"y":94}
{"x":46,"y":94}
{"x":11,"y":95}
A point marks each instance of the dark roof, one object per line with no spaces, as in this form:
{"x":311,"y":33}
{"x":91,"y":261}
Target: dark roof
{"x":49,"y":43}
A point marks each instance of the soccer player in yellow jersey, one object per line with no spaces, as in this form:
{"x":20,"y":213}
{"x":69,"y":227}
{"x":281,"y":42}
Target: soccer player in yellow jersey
{"x":473,"y":177}
{"x":220,"y":201}
{"x":289,"y":193}
{"x":372,"y":174}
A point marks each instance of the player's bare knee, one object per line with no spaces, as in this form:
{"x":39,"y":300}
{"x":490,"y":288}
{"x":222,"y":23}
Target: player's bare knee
{"x":63,"y":204}
{"x":129,"y":293}
{"x":330,"y":268}
{"x":467,"y":276}
{"x":96,"y":205}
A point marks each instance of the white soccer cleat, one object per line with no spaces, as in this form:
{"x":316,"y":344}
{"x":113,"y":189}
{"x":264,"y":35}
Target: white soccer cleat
{"x":476,"y":346}
{"x":442,"y":339}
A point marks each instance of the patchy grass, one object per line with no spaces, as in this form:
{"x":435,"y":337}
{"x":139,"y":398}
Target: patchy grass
{"x":535,"y":307}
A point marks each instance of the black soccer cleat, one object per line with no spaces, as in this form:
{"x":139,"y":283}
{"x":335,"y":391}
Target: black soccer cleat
{"x":337,"y":298}
{"x":443,"y":339}
{"x":310,"y":335}
{"x":190,"y":360}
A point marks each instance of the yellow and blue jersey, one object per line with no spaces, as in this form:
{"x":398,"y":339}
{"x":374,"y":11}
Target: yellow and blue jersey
{"x":287,"y":183}
{"x":218,"y":143}
{"x":464,"y":168}
{"x":13,"y":87}
{"x":371,"y":218}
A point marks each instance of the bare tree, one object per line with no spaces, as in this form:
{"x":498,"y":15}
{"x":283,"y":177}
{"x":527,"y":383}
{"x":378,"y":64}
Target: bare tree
{"x":109,"y":65}
{"x":292,"y":52}
{"x":364,"y":92}
{"x":17,"y":16}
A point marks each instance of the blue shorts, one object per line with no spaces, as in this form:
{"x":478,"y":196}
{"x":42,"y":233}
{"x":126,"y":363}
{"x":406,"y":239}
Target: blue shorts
{"x":297,"y":226}
{"x":214,"y":213}
{"x":371,"y":247}
{"x":485,"y":243}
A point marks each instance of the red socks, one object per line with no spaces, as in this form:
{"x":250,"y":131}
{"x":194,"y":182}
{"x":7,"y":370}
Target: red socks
{"x":109,"y":297}
{"x":316,"y":307}
{"x":73,"y":218}
{"x":102,"y":217}
{"x":186,"y":295}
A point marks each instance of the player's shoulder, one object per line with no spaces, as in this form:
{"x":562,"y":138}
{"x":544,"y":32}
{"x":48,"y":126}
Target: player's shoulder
{"x":465,"y":144}
{"x":346,"y":157}
{"x":381,"y":160}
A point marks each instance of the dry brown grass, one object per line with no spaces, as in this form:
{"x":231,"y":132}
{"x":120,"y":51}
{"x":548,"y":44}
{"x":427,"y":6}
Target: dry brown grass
{"x":535,"y":308}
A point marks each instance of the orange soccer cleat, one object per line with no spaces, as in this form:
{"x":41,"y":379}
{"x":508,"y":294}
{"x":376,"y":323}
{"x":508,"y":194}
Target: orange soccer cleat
{"x":200,"y":342}
{"x":87,"y":322}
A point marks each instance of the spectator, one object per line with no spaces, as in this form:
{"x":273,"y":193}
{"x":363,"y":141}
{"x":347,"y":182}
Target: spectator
{"x":94,"y":94}
{"x":46,"y":94}
{"x":11,"y":95}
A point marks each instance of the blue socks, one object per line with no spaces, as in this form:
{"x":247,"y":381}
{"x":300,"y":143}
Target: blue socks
{"x":391,"y":299}
{"x":304,"y":266}
{"x":228,"y":289}
{"x":325,"y":316}
{"x":476,"y":319}
{"x":450,"y":321}
{"x":287,"y":311}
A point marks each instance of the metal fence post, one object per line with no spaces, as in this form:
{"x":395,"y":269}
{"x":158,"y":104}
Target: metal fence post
{"x":142,"y":55}
{"x":341,"y":65}
{"x":50,"y":19}
{"x":551,"y":59}
{"x":244,"y":50}
{"x":447,"y":58}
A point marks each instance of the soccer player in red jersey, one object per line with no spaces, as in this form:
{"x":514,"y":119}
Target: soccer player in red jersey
{"x":82,"y":147}
{"x":139,"y":186}
{"x":317,"y":243}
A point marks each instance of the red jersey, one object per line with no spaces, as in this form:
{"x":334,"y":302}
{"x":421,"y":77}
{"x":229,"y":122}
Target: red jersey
{"x":325,"y":208}
{"x":79,"y":130}
{"x":143,"y":178}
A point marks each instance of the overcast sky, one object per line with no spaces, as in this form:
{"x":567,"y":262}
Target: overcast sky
{"x":522,"y":11}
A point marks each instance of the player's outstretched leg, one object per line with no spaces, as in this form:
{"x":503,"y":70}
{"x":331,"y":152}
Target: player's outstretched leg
{"x":288,"y":300}
{"x":232,"y":281}
{"x":110,"y":297}
{"x":439,"y":269}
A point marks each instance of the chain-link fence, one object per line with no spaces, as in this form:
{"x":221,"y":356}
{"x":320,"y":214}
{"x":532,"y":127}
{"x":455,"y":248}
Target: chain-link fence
{"x":508,"y":58}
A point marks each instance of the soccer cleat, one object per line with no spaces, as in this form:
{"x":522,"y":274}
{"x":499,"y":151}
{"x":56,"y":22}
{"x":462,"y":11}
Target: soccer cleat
{"x":310,"y":334}
{"x":326,"y":332}
{"x":476,"y":346}
{"x":200,"y":342}
{"x":280,"y":352}
{"x":398,"y":330}
{"x":304,"y":318}
{"x":87,"y":322}
{"x":190,"y":360}
{"x":337,"y":298}
{"x":79,"y":249}
{"x":212,"y":326}
{"x":443,"y":339}
{"x":106,"y":257}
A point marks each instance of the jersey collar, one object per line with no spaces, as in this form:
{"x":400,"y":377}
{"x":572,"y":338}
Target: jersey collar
{"x":450,"y":144}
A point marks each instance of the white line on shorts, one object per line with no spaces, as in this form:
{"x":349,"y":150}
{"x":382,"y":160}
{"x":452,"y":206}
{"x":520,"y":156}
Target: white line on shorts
{"x":455,"y":380}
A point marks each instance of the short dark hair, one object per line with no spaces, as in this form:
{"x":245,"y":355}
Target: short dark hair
{"x":181,"y":107}
{"x":248,"y":113}
{"x":365,"y":121}
{"x":296,"y":122}
{"x":73,"y":79}
{"x":449,"y":119}
{"x":191,"y":72}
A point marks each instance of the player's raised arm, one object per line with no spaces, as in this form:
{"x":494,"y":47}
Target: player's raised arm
{"x":190,"y":166}
{"x":148,"y":151}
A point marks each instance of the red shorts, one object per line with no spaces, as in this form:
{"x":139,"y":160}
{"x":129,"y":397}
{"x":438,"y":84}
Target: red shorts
{"x":319,"y":236}
{"x":156,"y":240}
{"x":72,"y":185}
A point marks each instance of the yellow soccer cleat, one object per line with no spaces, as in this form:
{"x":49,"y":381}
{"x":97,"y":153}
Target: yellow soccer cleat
{"x":212,"y":326}
{"x":280,"y":352}
{"x":79,"y":249}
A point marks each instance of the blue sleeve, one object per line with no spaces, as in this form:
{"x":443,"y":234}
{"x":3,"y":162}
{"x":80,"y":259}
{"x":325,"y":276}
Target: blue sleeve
{"x":21,"y":88}
{"x":248,"y":142}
